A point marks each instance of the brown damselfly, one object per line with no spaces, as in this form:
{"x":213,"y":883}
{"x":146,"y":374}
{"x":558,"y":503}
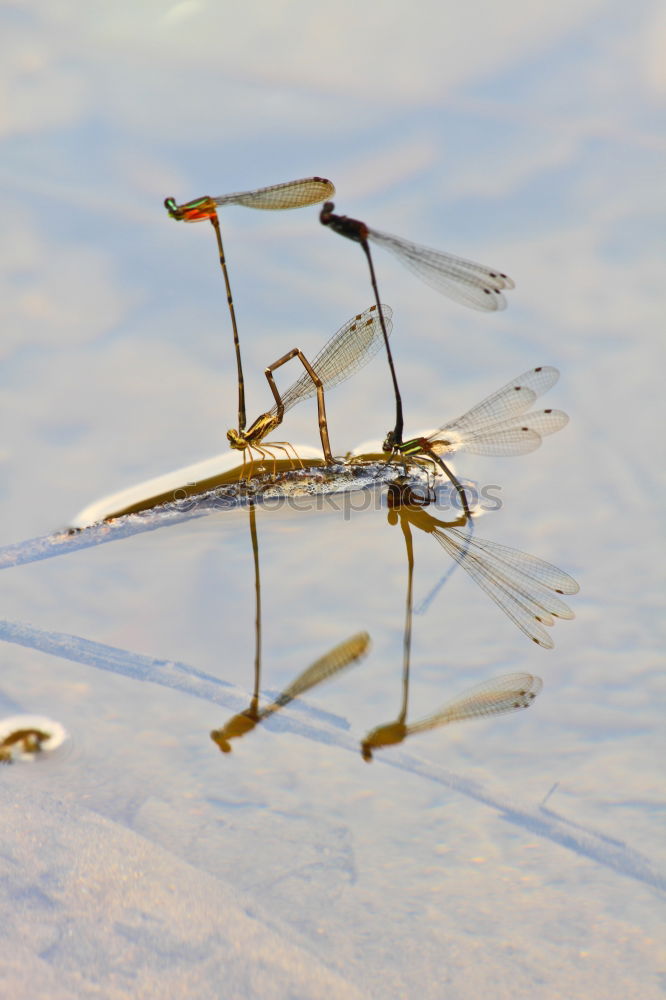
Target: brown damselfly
{"x":346,"y":352}
{"x":277,"y":197}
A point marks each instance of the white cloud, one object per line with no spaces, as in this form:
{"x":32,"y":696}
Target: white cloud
{"x":378,"y":171}
{"x":653,"y":49}
{"x":403,"y":53}
{"x":38,"y":90}
{"x":535,"y":152}
{"x":54,"y":295}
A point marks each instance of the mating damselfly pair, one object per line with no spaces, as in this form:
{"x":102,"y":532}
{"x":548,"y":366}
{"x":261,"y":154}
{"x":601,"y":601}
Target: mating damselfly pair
{"x":502,"y":424}
{"x":355,"y":343}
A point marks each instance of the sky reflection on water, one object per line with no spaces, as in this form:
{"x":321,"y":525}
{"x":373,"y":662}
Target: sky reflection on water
{"x":527,"y":137}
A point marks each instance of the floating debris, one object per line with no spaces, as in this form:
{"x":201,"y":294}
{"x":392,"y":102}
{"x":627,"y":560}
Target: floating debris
{"x":26,"y":737}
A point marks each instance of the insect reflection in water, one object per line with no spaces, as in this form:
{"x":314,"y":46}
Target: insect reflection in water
{"x":497,"y":696}
{"x":343,"y":655}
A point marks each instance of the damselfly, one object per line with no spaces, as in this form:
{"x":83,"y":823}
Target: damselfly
{"x":473,"y":285}
{"x":292,"y":194}
{"x":346,"y":352}
{"x":499,"y":425}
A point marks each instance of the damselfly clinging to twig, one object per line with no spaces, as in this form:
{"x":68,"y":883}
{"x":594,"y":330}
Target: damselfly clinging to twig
{"x":471,"y":284}
{"x":292,"y":194}
{"x":498,"y":426}
{"x":346,"y":352}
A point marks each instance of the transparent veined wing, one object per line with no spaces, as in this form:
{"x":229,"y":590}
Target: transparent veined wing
{"x":471,"y":284}
{"x":277,"y":197}
{"x":500,"y":424}
{"x":348,"y":350}
{"x":507,"y":693}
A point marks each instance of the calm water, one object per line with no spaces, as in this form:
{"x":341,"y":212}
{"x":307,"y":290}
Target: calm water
{"x":140,"y":861}
{"x":331,"y":861}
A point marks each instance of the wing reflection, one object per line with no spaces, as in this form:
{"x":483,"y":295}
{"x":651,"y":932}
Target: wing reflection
{"x":497,"y":696}
{"x":522,"y":585}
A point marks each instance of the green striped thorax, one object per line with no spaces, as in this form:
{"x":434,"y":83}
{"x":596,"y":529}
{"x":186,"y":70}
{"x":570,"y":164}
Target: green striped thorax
{"x":412,"y":447}
{"x":191,"y":211}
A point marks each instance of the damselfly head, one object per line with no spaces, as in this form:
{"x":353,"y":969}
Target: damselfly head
{"x":353,"y":229}
{"x":236,"y":727}
{"x":383,"y":736}
{"x":255,"y":434}
{"x":172,"y":207}
{"x":236,"y":440}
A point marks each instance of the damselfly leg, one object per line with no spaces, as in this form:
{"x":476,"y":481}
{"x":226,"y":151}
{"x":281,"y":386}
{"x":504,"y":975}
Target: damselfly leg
{"x":346,"y":352}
